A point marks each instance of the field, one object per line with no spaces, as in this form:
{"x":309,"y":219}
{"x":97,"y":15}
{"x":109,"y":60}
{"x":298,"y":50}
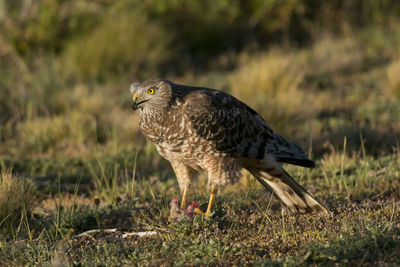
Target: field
{"x":72,"y":158}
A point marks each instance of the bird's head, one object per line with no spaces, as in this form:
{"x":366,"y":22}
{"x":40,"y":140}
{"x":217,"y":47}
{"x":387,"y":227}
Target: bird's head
{"x":151,"y":95}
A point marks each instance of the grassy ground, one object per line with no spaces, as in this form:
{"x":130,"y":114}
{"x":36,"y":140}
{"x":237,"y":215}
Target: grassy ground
{"x":246,"y":227}
{"x":73,"y":160}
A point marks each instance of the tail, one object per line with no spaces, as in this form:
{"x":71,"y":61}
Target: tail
{"x":293,"y":195}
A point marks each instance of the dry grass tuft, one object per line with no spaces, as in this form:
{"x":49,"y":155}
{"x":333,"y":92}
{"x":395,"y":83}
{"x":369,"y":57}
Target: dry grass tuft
{"x":332,"y":55}
{"x":17,"y":196}
{"x":270,"y":84}
{"x":393,"y":77}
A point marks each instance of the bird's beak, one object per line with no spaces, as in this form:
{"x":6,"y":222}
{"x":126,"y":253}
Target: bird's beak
{"x":135,"y":104}
{"x":134,"y":97}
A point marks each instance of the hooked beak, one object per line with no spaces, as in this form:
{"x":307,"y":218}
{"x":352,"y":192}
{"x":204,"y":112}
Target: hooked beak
{"x":135,"y":104}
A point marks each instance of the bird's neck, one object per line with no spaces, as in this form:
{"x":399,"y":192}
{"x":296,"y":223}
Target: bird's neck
{"x":154,"y":115}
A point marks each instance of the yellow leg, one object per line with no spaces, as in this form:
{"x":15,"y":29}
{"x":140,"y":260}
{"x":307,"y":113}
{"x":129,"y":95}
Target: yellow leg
{"x":208,"y":212}
{"x":210,"y":203}
{"x":184,"y":197}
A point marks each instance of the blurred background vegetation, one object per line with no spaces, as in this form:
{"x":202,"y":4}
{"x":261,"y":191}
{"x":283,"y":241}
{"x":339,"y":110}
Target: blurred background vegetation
{"x":316,"y":70}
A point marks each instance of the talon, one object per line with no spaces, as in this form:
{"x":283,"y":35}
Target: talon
{"x":197,"y":210}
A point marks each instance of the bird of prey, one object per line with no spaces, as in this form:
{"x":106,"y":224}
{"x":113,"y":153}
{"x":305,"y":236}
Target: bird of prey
{"x":198,"y":128}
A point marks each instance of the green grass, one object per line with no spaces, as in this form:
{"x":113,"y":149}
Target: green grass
{"x":17,"y":197}
{"x":246,"y":229}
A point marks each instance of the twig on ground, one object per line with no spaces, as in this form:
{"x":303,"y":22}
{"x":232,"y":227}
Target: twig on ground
{"x":96,"y":231}
{"x":114,"y":230}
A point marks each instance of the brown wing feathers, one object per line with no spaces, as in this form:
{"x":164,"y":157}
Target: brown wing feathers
{"x":237,"y":129}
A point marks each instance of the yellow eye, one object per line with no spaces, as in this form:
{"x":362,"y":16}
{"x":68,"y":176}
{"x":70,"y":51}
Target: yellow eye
{"x":150,"y":91}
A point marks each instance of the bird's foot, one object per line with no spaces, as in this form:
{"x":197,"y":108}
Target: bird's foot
{"x":207,"y":213}
{"x":197,"y":210}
